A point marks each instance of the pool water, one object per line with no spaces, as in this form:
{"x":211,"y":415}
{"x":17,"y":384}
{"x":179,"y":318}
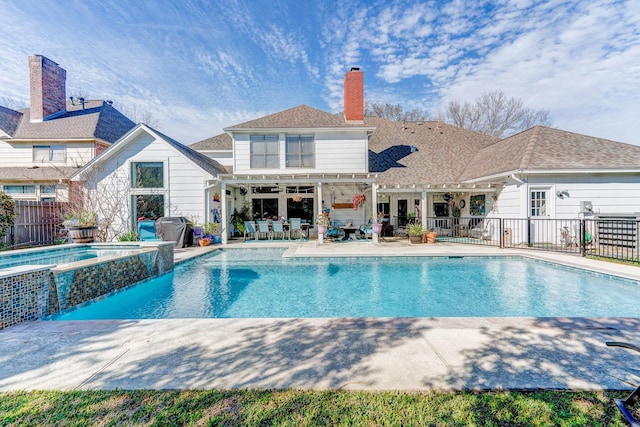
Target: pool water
{"x":254,"y":283}
{"x":60,"y":255}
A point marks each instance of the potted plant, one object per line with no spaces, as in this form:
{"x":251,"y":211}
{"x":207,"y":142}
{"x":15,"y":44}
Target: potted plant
{"x":82,"y":226}
{"x":322,"y":221}
{"x":377,"y":226}
{"x":415,"y":232}
{"x":211,"y":230}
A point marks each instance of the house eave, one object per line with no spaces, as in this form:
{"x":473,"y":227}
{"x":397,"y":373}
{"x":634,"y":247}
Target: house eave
{"x":301,"y":129}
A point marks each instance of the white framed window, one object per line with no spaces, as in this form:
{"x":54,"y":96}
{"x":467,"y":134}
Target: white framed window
{"x":539,"y":202}
{"x":264,"y":152}
{"x":48,"y":189}
{"x":147,"y":175}
{"x":49,"y":153}
{"x":300,"y":150}
{"x":20,"y":189}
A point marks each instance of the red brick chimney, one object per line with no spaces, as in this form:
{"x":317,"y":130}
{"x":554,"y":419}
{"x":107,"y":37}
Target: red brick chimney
{"x":48,"y":88}
{"x":354,"y":95}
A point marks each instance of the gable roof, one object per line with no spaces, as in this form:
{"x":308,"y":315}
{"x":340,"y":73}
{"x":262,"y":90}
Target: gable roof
{"x":441,"y":151}
{"x":298,"y":117}
{"x":542,"y":148}
{"x":97,"y":119}
{"x":218,"y":142}
{"x":205,"y":163}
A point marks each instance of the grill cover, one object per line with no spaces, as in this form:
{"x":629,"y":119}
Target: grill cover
{"x":176,"y":229}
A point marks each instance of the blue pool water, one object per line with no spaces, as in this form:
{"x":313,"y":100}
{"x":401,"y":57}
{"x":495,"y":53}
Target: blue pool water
{"x":60,"y":255}
{"x":241,"y":283}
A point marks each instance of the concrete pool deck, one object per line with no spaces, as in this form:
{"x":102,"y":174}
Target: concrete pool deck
{"x":408,"y":354}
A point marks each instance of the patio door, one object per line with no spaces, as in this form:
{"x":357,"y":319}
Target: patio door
{"x":539,"y":213}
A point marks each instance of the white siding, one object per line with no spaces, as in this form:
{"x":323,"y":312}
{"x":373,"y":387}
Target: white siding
{"x":184,"y":189}
{"x":609,"y":194}
{"x":336,"y":152}
{"x":21,"y":154}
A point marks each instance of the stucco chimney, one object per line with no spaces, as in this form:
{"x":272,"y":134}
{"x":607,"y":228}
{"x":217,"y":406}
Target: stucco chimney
{"x":48,"y":88}
{"x":354,"y":95}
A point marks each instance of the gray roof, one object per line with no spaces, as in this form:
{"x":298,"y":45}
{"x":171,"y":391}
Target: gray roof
{"x":16,"y":173}
{"x":206,"y":163}
{"x":543,"y":148}
{"x":9,"y":120}
{"x":98,"y":120}
{"x":441,"y":155}
{"x":218,"y":142}
{"x":298,"y":117}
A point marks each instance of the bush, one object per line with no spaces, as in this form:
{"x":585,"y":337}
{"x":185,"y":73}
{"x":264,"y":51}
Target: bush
{"x":129,"y":236}
{"x":7,"y":213}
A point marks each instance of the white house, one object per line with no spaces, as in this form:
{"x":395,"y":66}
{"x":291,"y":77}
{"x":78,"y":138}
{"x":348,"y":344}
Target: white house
{"x":43,"y":145}
{"x":146,"y":174}
{"x":302,"y":161}
{"x":418,"y":168}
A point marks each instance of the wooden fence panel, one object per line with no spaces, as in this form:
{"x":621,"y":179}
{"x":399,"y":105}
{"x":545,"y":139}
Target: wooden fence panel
{"x":36,"y":223}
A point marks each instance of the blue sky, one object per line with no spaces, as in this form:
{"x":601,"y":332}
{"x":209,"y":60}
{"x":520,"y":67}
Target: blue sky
{"x":200,"y":66}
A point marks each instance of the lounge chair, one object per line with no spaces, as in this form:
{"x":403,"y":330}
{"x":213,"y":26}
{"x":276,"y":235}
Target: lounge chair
{"x":147,"y":231}
{"x":634,"y":397}
{"x":249,"y":230}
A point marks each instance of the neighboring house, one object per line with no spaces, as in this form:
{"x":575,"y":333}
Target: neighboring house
{"x":146,"y":175}
{"x":299,"y":161}
{"x":42,"y":146}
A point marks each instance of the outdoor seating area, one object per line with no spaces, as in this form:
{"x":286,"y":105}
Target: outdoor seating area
{"x":294,"y":229}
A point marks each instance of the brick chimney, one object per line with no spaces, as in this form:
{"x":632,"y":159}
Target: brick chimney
{"x":354,"y":95}
{"x":48,"y":88}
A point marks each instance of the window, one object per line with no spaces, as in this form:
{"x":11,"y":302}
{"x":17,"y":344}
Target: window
{"x":538,"y":203}
{"x":20,"y":189}
{"x":300,"y":151}
{"x":147,"y":175}
{"x":148,"y":206}
{"x":49,"y":153}
{"x":264,"y":152}
{"x":47,"y":189}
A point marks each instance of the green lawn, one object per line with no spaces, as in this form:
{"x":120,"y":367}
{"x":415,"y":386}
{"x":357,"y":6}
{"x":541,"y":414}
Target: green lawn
{"x":308,"y":408}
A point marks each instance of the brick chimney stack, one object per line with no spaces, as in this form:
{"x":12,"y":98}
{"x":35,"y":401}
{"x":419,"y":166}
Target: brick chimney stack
{"x":354,"y":95}
{"x":48,"y":88}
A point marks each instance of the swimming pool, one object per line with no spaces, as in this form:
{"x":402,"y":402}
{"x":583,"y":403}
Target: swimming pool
{"x":254,"y":283}
{"x":63,"y":254}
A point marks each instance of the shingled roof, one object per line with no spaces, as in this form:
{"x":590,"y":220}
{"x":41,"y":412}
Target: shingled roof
{"x":97,"y":119}
{"x":205,"y":162}
{"x":441,"y":152}
{"x":18,"y":173}
{"x":543,"y":148}
{"x":218,"y":142}
{"x":298,"y":117}
{"x":9,"y":120}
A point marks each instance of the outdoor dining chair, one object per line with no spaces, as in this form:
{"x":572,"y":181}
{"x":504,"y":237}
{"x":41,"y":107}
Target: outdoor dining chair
{"x":249,"y":230}
{"x":277,"y":228}
{"x":263,"y":228}
{"x":295,"y":227}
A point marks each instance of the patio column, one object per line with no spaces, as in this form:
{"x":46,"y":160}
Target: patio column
{"x":223,"y":215}
{"x":374,"y":209}
{"x":423,"y":211}
{"x":319,"y":209}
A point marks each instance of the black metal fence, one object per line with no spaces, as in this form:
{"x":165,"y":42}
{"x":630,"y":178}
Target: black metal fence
{"x":36,"y":223}
{"x":608,"y":238}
